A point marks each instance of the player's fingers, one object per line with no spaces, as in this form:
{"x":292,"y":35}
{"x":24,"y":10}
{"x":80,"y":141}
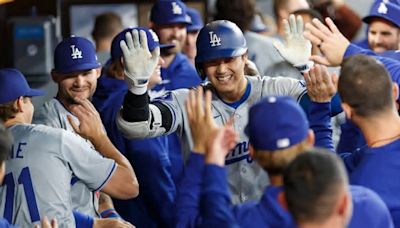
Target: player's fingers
{"x":312,"y":77}
{"x":129,"y":41}
{"x":325,"y":30}
{"x":135,"y":38}
{"x":309,"y":36}
{"x":54,"y":223}
{"x":208,"y":105}
{"x":335,"y":79}
{"x":189,"y":105}
{"x":199,"y":102}
{"x":143,"y":40}
{"x":300,"y":25}
{"x":332,"y":26}
{"x":286,"y":28}
{"x":320,"y":59}
{"x":314,"y":30}
{"x":230,"y":121}
{"x":292,"y":22}
{"x":74,"y":125}
{"x":306,"y":76}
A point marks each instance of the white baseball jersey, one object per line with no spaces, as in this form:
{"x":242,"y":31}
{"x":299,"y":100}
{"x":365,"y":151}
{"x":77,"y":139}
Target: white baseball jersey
{"x":54,"y":114}
{"x":38,"y":174}
{"x":246,"y":178}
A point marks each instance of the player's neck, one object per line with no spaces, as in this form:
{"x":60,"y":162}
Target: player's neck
{"x":380,"y":130}
{"x":168,"y":58}
{"x":18,"y":119}
{"x":330,"y":222}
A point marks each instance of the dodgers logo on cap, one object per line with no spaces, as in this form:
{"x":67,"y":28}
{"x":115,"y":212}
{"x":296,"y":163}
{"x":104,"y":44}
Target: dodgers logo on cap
{"x":386,"y":10}
{"x":75,"y":54}
{"x":214,"y":39}
{"x":166,"y":12}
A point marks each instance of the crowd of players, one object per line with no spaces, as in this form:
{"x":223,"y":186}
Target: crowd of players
{"x":176,"y":126}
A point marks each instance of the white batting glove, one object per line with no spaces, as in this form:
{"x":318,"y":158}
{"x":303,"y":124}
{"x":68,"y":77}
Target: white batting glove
{"x":297,"y":49}
{"x":139,"y":63}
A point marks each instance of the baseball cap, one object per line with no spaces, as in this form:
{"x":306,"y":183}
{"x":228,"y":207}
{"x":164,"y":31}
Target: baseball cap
{"x":75,"y":54}
{"x":197,"y":22}
{"x":385,"y":10}
{"x":13,"y":85}
{"x":276,"y":123}
{"x":166,"y":12}
{"x":152,"y":41}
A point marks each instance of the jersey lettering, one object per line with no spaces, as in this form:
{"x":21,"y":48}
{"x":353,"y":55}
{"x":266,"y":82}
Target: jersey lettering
{"x":214,"y":39}
{"x":240,"y":152}
{"x":76,"y":53}
{"x":26,"y":181}
{"x":18,"y":152}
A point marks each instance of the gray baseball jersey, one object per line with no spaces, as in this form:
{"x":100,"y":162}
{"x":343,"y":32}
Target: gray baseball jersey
{"x":246,"y":178}
{"x":39,"y":172}
{"x":54,"y":114}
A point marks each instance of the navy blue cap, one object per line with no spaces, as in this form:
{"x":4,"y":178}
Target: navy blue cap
{"x":276,"y":123}
{"x":75,"y":54}
{"x":384,"y":10}
{"x":197,"y":21}
{"x":13,"y":85}
{"x":166,"y":12}
{"x":393,"y":54}
{"x":152,"y":41}
{"x":257,"y":25}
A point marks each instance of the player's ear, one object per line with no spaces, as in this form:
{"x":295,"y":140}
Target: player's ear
{"x":19,"y":103}
{"x":54,"y":76}
{"x":395,"y":91}
{"x":282,"y":200}
{"x":347,"y":110}
{"x":98,"y":72}
{"x":311,"y":137}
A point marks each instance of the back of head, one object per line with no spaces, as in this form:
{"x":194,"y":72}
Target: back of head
{"x":106,"y":26}
{"x":277,"y":129}
{"x":75,"y":54}
{"x":365,"y":85}
{"x":219,"y":39}
{"x":313,"y":183}
{"x":238,"y":11}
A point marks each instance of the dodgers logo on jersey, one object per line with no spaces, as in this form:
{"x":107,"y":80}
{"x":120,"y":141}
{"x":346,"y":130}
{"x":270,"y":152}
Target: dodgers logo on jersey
{"x":382,"y":8}
{"x":176,"y":9}
{"x":214,"y":39}
{"x":76,"y":53}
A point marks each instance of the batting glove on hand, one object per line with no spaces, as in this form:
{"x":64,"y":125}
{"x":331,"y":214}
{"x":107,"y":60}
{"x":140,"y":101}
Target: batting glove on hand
{"x":139,"y":63}
{"x":297,"y":49}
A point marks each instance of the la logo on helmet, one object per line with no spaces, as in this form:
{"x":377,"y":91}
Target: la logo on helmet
{"x":214,"y":39}
{"x":382,"y":8}
{"x":76,"y":53}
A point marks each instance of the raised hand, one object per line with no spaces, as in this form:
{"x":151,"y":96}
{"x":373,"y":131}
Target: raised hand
{"x":139,"y":63}
{"x":202,"y":124}
{"x":321,"y":86}
{"x":296,"y":49}
{"x":329,"y":40}
{"x":44,"y":223}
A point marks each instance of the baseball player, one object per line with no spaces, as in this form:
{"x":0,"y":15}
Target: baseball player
{"x":278,"y":132}
{"x":38,"y":174}
{"x":149,"y":157}
{"x":383,"y":27}
{"x":221,"y":57}
{"x":76,"y":72}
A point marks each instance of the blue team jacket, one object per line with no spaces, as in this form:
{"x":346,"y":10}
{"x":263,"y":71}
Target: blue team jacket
{"x":149,"y":158}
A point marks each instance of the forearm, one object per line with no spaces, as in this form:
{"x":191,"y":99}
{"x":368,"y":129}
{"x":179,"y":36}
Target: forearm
{"x":319,"y":115}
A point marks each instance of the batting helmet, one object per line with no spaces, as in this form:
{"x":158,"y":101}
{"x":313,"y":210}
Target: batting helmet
{"x":219,"y":39}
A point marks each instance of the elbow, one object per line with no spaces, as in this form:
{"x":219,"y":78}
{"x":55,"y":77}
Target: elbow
{"x":130,"y":190}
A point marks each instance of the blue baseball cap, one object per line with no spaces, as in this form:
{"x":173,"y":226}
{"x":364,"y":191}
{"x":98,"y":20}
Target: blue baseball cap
{"x":393,"y":54}
{"x":197,"y":21}
{"x":75,"y":54}
{"x":13,"y":85}
{"x":152,"y":41}
{"x":385,"y":10}
{"x":166,"y":12}
{"x":276,"y":123}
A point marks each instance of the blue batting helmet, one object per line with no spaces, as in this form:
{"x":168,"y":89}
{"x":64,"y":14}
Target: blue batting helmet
{"x":219,"y":39}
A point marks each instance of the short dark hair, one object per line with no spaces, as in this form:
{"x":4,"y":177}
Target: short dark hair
{"x":240,"y":12}
{"x":106,"y":25}
{"x":365,"y":85}
{"x":277,"y":5}
{"x":313,"y":183}
{"x":5,"y":144}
